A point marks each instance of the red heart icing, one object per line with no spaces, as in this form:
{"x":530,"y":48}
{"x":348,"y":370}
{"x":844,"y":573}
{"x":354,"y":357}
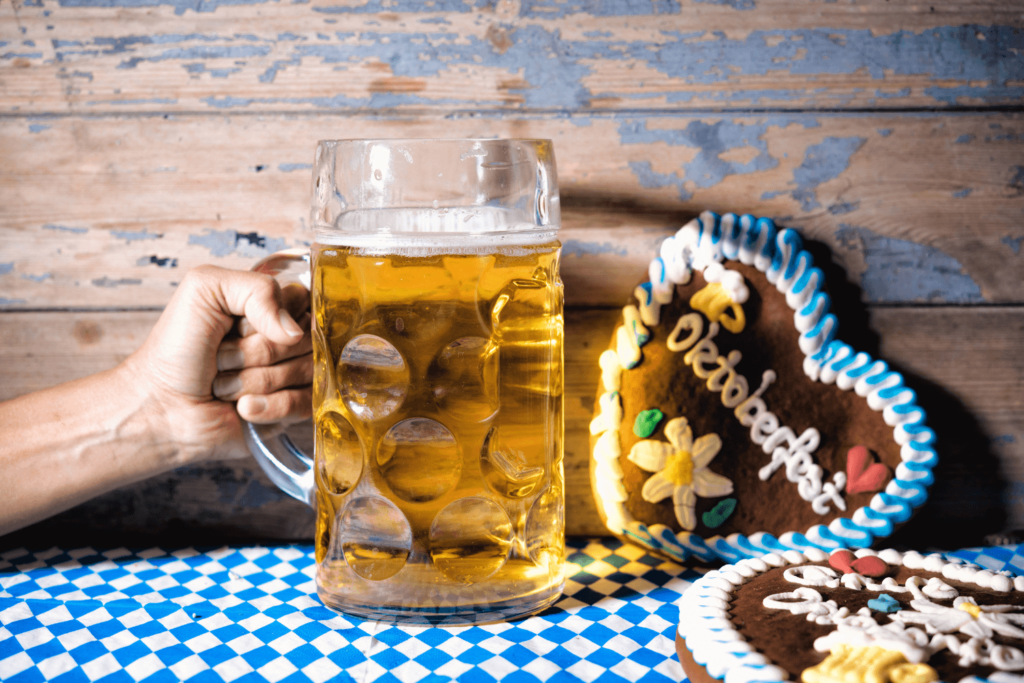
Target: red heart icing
{"x":860,"y":476}
{"x":845,"y":561}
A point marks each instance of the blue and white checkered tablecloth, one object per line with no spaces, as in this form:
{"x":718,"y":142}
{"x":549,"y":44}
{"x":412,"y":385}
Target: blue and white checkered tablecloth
{"x":251,"y":613}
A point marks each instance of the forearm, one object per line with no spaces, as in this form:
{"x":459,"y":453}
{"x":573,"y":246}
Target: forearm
{"x":64,"y":445}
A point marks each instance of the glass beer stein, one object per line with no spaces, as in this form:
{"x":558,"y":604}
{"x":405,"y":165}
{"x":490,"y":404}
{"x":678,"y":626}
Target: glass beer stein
{"x":437,"y":395}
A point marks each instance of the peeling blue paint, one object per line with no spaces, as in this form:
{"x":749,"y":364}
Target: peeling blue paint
{"x":959,"y":194}
{"x":6,"y":267}
{"x":288,"y":168}
{"x":124,"y":44}
{"x":165,"y":262}
{"x":4,"y":301}
{"x":899,"y":271}
{"x":902,"y":92}
{"x":37,"y":128}
{"x":556,"y":68}
{"x":822,"y":162}
{"x":180,"y":6}
{"x":135,"y":235}
{"x":552,"y":9}
{"x":65,"y":228}
{"x":772,"y":194}
{"x":107,"y":282}
{"x":712,"y":140}
{"x":885,"y":132}
{"x":1013,"y":243}
{"x":952,"y":95}
{"x":201,"y":52}
{"x":845,"y":207}
{"x":1017,"y":181}
{"x":227,"y":242}
{"x":964,"y":139}
{"x":398,"y":6}
{"x":37,"y":278}
{"x":1004,"y":439}
{"x":581,"y":248}
{"x":735,"y":4}
{"x":1006,"y":137}
{"x":215,"y":73}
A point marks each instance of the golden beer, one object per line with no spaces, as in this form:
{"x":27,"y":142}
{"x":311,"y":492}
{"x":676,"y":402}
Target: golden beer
{"x":437,"y":404}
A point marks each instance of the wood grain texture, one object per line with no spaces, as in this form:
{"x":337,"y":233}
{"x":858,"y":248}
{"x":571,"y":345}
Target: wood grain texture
{"x":111,"y":211}
{"x":973,"y":398}
{"x":97,"y":56}
{"x":140,"y":138}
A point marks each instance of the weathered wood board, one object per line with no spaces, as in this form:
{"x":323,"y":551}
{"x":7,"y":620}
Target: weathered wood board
{"x":240,"y":56}
{"x":111,"y":211}
{"x":973,"y":397}
{"x":140,"y":138}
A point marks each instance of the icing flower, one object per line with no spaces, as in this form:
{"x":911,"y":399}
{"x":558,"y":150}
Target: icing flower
{"x":681,"y":469}
{"x":965,"y":616}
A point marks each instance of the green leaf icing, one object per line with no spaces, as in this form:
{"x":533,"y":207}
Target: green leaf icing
{"x":716,"y":516}
{"x":647,"y":422}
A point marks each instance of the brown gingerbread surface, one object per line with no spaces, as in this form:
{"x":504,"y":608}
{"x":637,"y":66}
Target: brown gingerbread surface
{"x":769,"y":341}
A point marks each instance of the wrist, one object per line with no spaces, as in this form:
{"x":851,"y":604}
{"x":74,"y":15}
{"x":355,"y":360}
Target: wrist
{"x":151,"y":414}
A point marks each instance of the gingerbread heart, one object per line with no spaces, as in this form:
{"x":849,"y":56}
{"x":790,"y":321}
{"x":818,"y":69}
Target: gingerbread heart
{"x":731,"y":345}
{"x":848,"y":563}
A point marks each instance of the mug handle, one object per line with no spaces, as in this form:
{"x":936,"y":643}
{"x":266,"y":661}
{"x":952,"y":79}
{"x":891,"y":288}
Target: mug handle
{"x":286,"y":464}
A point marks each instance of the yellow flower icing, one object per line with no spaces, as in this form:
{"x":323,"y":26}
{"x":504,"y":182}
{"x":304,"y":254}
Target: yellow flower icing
{"x":713,"y":301}
{"x":973,"y":610}
{"x":913,"y":673}
{"x":679,"y":468}
{"x":848,"y":664}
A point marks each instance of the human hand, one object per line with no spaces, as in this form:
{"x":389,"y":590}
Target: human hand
{"x":201,"y":357}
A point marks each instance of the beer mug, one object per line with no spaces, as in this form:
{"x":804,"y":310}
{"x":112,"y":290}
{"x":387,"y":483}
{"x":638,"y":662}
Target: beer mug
{"x":437,"y":395}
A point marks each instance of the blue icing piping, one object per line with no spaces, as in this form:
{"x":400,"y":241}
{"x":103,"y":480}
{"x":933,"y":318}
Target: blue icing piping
{"x":779,"y":254}
{"x":647,"y":288}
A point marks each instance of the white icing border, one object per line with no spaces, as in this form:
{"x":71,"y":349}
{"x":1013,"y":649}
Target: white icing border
{"x":720,"y":648}
{"x":705,"y":242}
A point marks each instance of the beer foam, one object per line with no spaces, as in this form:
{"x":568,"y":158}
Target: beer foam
{"x":429,"y":245}
{"x":439,"y":229}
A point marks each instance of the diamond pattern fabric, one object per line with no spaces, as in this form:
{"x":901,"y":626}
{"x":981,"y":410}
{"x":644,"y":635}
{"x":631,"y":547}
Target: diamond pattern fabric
{"x":251,"y":614}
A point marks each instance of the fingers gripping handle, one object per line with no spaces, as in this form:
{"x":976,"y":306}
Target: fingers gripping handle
{"x":285,"y":463}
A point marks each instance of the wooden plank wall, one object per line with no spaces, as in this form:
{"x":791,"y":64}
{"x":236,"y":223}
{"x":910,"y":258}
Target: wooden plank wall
{"x":139,"y":138}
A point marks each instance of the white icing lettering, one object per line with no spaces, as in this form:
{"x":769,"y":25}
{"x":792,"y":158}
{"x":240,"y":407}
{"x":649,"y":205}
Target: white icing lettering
{"x":801,"y":601}
{"x":764,"y":424}
{"x":802,"y":471}
{"x":765,"y":430}
{"x":812,"y":575}
{"x":703,"y":353}
{"x":690,"y":321}
{"x":725,"y":368}
{"x":735,"y":390}
{"x":830,"y":492}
